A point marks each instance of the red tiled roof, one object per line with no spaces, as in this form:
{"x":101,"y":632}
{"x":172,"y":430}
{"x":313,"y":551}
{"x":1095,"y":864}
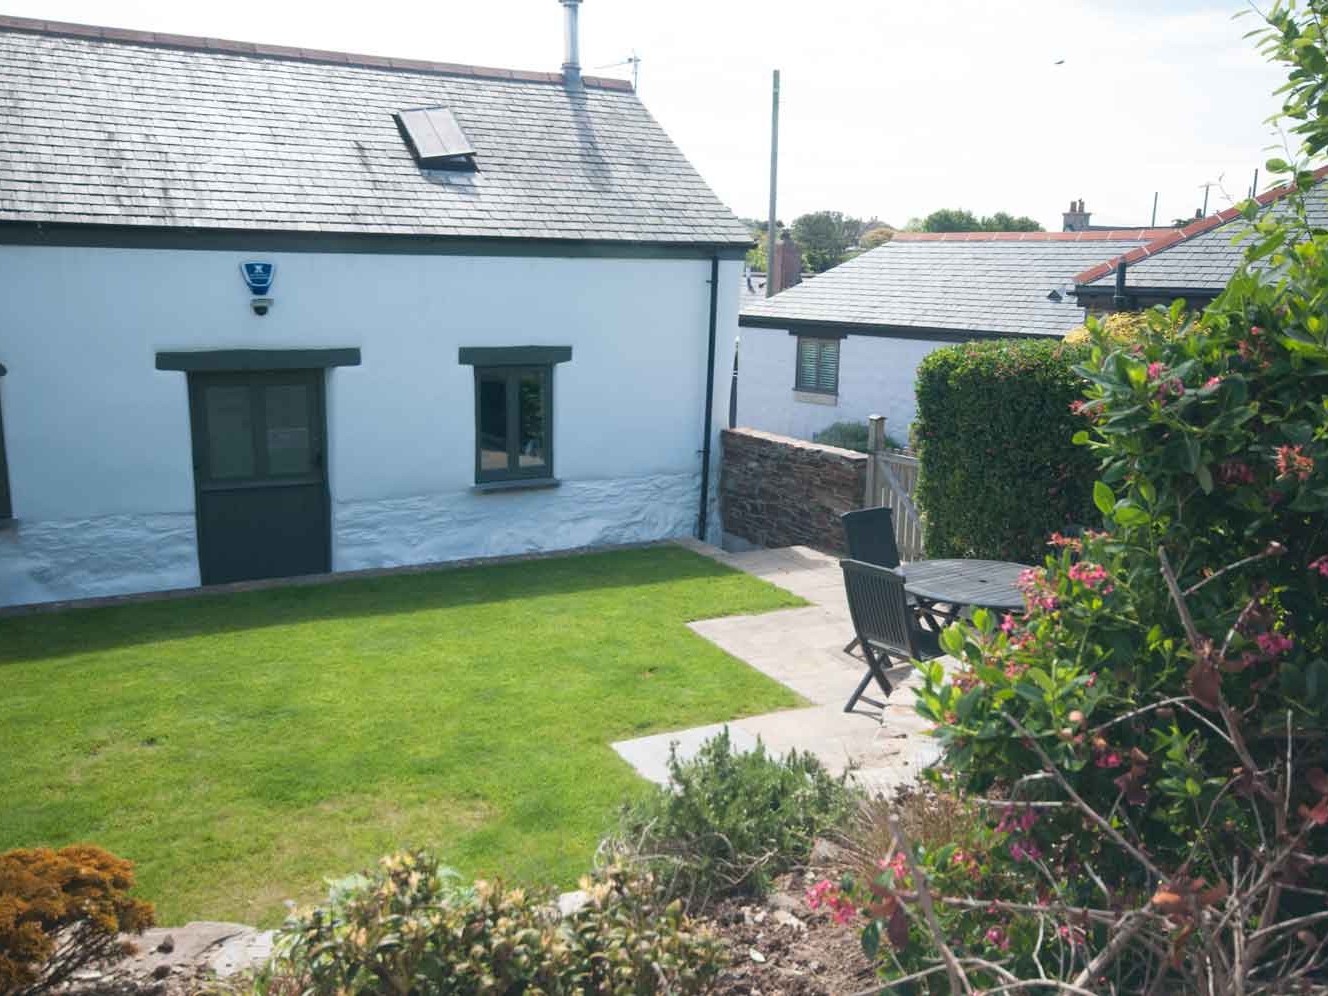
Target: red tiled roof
{"x":35,"y":26}
{"x":1097,"y":235}
{"x":1175,"y":235}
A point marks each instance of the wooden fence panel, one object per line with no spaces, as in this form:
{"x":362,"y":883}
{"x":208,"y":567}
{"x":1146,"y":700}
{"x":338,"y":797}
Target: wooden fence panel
{"x":902,"y":466}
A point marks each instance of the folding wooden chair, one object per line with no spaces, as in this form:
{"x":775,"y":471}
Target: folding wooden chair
{"x":886,"y":628}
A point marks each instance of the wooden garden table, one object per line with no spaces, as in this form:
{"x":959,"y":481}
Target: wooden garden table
{"x":985,"y":584}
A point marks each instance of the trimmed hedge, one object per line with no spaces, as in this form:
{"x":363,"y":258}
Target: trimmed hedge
{"x":998,"y":471}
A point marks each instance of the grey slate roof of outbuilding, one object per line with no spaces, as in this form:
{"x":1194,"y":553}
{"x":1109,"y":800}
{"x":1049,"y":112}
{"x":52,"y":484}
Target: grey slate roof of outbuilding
{"x":994,"y":283}
{"x":1202,"y":256}
{"x":107,"y":127}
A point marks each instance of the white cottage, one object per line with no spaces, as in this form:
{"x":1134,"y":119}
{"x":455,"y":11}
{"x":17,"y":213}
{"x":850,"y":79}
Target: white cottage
{"x":269,"y":312}
{"x":847,"y":344}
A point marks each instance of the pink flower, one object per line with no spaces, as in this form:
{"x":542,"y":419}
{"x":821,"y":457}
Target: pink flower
{"x":1092,"y":680}
{"x":1290,"y":460}
{"x":1155,"y":370}
{"x":844,"y":912}
{"x":816,"y":895}
{"x":899,"y":864}
{"x":1037,"y":593}
{"x":1058,"y":541}
{"x":1007,"y":624}
{"x":1088,"y":573}
{"x":1025,"y":850}
{"x":1169,"y":388}
{"x":1109,"y":760}
{"x":1275,"y":644}
{"x":1320,"y":565}
{"x":1212,"y":382}
{"x":997,"y":939}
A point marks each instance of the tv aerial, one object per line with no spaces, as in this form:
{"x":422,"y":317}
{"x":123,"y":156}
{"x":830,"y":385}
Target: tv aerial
{"x":632,"y":60}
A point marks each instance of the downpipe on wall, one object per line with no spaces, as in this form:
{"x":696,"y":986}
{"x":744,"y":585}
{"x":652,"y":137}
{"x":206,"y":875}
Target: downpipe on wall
{"x":701,"y":517}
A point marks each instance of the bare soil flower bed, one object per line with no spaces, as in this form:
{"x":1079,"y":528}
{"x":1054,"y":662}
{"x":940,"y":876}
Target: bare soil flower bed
{"x":781,"y":947}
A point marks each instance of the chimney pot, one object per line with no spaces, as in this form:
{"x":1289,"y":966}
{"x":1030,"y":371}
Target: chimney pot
{"x":572,"y":48}
{"x":1076,"y":219}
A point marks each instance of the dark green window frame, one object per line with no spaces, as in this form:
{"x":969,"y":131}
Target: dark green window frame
{"x":513,"y":376}
{"x":6,"y":507}
{"x":816,"y":365}
{"x":511,"y":364}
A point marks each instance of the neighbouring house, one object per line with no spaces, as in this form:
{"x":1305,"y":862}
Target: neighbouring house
{"x":1194,"y":262}
{"x":269,"y":311}
{"x":847,"y":344}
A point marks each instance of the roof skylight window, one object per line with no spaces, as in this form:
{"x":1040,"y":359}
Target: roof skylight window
{"x":435,"y":138}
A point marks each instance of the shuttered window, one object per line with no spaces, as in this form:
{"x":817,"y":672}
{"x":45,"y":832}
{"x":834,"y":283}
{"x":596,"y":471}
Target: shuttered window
{"x":818,"y":366}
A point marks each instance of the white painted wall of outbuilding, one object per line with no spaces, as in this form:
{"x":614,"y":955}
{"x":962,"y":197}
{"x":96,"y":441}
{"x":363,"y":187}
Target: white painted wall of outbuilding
{"x":876,"y":377}
{"x":98,"y":440}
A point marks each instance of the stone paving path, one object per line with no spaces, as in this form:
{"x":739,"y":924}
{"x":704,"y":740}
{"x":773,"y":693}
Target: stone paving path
{"x":803,"y":649}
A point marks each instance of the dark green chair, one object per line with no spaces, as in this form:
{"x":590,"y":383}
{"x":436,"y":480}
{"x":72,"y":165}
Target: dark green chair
{"x":886,"y":627}
{"x":870,"y":536}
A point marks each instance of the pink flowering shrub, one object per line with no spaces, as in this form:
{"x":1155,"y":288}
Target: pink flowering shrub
{"x":1212,"y":444}
{"x":1147,"y":737}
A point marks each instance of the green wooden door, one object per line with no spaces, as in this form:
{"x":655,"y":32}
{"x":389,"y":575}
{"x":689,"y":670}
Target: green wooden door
{"x":260,"y":474}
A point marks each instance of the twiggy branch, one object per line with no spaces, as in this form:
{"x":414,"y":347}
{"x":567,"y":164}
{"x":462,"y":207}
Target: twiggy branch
{"x":1139,"y":712}
{"x":1128,"y":926}
{"x":956,"y":971}
{"x":1272,"y":550}
{"x":1084,"y":807}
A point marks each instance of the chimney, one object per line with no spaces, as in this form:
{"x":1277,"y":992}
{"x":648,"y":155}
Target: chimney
{"x":1075,"y":219}
{"x":572,"y":52}
{"x":786,"y":267}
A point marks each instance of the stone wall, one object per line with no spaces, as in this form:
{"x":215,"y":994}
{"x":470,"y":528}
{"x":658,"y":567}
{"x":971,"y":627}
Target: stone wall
{"x":777,"y":491}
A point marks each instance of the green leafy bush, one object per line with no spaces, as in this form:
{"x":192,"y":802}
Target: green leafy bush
{"x":849,"y":436}
{"x":998,"y":471}
{"x":62,"y":911}
{"x":1170,"y":674}
{"x":411,"y":929}
{"x":727,"y":822}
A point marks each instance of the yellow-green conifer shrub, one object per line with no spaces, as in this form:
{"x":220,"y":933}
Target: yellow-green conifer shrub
{"x":1120,"y":328}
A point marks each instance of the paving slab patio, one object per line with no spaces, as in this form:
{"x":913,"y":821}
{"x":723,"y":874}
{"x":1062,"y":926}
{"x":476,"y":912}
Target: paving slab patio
{"x":803,"y":649}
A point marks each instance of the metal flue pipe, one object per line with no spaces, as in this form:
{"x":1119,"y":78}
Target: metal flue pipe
{"x":572,"y":46}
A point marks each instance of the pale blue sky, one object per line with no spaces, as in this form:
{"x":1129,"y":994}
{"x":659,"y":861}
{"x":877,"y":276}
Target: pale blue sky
{"x":890,"y":108}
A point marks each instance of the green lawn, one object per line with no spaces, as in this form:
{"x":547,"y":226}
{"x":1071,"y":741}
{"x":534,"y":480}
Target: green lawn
{"x":241,"y":748}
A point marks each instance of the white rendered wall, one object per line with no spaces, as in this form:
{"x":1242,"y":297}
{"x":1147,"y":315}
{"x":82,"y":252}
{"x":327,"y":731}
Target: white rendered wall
{"x":98,"y":440}
{"x":876,"y":377}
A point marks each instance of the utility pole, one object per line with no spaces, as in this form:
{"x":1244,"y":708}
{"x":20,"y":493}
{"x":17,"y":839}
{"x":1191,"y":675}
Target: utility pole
{"x":1153,"y":223}
{"x":774,"y":176}
{"x":1254,"y":186}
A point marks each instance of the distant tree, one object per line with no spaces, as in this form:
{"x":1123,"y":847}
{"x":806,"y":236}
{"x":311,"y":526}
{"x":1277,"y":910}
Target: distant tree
{"x":824,"y":236}
{"x":1002,"y":222}
{"x":961,"y":220}
{"x":951,"y":220}
{"x":756,"y":256}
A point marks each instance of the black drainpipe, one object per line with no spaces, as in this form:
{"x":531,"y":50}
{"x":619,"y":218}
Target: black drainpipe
{"x":1119,"y":300}
{"x":709,"y":400}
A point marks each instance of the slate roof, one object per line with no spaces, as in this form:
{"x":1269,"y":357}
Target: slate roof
{"x":994,"y":283}
{"x":100,"y":126}
{"x":1199,"y":257}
